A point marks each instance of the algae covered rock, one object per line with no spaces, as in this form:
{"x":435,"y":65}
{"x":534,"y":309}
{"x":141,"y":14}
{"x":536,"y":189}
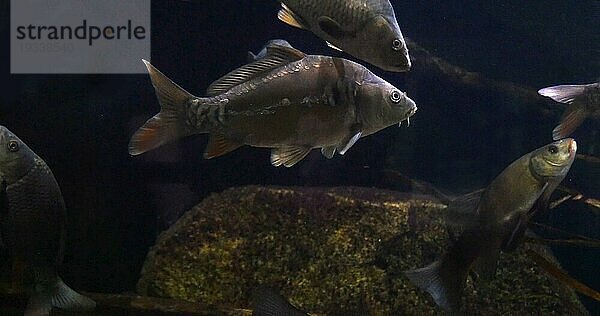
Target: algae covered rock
{"x":330,"y":250}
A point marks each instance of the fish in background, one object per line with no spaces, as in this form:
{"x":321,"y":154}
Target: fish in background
{"x":32,"y":225}
{"x":365,"y":29}
{"x":267,"y":302}
{"x":493,"y":220}
{"x":286,"y":100}
{"x":263,"y":52}
{"x":583,"y":102}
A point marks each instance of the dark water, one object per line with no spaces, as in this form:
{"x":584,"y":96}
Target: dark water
{"x":459,"y":140}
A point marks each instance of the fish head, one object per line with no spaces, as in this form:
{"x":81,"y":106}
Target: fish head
{"x":554,"y":160}
{"x":16,"y":158}
{"x":380,"y":104}
{"x":382,"y":44}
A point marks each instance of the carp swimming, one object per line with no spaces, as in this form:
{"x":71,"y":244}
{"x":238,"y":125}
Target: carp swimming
{"x":286,"y":100}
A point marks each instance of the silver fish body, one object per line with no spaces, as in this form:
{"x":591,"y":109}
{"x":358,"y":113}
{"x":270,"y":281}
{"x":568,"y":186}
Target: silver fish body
{"x":494,"y":220}
{"x":366,"y":29}
{"x":33,"y":224}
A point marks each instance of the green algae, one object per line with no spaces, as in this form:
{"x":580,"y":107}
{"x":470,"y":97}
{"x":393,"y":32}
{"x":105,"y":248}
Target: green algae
{"x":330,"y":250}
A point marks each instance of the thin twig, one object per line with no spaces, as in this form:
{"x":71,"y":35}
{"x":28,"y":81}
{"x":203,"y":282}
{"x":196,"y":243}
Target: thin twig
{"x":564,"y":242}
{"x":560,"y":275}
{"x":558,"y":231}
{"x":588,"y":158}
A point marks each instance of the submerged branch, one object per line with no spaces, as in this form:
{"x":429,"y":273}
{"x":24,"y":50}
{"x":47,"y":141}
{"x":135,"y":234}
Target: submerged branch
{"x":587,"y":158}
{"x":431,"y":64}
{"x":564,"y":242}
{"x":562,"y":276}
{"x":573,"y":195}
{"x":558,"y":231}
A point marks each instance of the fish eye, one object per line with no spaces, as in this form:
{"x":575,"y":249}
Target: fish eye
{"x":396,"y":44}
{"x":13,"y":146}
{"x":395,"y":96}
{"x":552,"y":149}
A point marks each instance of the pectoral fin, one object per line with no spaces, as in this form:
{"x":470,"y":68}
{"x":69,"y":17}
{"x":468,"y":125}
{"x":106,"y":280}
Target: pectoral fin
{"x":332,"y":28}
{"x":351,"y":139}
{"x":516,"y":236}
{"x":288,"y":156}
{"x":334,"y":47}
{"x":218,"y":145}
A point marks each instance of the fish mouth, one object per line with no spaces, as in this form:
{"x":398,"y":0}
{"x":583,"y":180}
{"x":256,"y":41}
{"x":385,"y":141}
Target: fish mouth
{"x":572,"y":147}
{"x":411,"y":112}
{"x":402,"y":67}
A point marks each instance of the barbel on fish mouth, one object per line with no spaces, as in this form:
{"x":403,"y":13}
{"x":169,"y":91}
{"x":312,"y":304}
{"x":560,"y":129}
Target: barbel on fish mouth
{"x":583,"y":102}
{"x":286,"y":100}
{"x":493,"y":220}
{"x":33,"y":225}
{"x":365,"y":29}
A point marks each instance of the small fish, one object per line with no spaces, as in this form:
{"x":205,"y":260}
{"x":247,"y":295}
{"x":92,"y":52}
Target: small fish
{"x":583,"y":102}
{"x":287,"y":101}
{"x":493,"y":220}
{"x":365,"y":29}
{"x":267,"y":302}
{"x":33,"y":224}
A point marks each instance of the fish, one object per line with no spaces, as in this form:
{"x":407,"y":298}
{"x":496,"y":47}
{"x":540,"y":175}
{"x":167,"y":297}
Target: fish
{"x":494,"y":220}
{"x":267,"y":302}
{"x":263,"y":52}
{"x":33,"y":225}
{"x":287,"y":101}
{"x":582,"y":101}
{"x":365,"y":29}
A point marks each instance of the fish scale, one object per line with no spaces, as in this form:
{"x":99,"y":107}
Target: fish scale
{"x":35,"y":221}
{"x":348,"y":12}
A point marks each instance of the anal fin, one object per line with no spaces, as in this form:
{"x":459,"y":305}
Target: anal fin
{"x":287,"y":16}
{"x":328,"y":151}
{"x":218,"y":145}
{"x":288,"y":156}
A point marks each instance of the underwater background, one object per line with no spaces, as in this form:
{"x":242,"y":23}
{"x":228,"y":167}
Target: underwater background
{"x":462,"y":136}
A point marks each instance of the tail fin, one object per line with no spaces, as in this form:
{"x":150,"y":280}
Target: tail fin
{"x":57,"y":294}
{"x":445,"y":279}
{"x":445,"y":287}
{"x":267,"y":302}
{"x":168,"y":124}
{"x":574,"y":115}
{"x":575,"y":112}
{"x":565,"y":93}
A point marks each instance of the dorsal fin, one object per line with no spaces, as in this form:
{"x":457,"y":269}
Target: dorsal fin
{"x":277,"y":56}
